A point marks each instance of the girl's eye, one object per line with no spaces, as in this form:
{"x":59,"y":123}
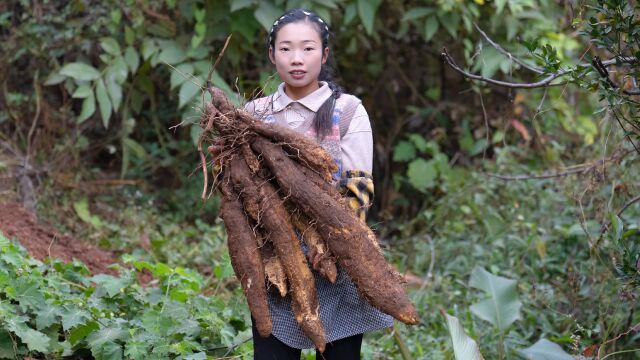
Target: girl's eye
{"x":284,"y":49}
{"x":308,"y":49}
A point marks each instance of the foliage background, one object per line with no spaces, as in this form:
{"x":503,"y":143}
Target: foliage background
{"x":108,"y":92}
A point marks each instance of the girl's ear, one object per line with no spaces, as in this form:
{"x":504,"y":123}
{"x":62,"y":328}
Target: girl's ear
{"x":325,"y":55}
{"x":271,"y":58}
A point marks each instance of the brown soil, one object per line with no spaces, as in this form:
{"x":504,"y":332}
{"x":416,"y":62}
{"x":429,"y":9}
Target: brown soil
{"x":42,"y":240}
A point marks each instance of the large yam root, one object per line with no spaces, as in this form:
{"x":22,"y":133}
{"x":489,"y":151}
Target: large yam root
{"x":275,"y":222}
{"x":318,"y":251}
{"x":246,"y":260}
{"x":273,"y":268}
{"x":348,"y":238}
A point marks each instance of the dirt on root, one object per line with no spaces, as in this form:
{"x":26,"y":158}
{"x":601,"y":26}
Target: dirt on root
{"x":42,"y":240}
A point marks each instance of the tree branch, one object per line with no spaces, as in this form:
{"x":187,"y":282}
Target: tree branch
{"x":506,"y":53}
{"x":542,"y":83}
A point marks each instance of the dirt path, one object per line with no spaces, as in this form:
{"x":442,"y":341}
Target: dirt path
{"x":38,"y":238}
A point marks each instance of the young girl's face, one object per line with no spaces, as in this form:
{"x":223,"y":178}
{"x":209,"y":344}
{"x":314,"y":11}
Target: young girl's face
{"x":298,"y":56}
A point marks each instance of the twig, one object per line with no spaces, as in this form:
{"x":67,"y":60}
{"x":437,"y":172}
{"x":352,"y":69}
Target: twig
{"x":36,"y":86}
{"x":605,"y":226}
{"x":404,"y":351}
{"x":577,"y":169}
{"x":544,"y":82}
{"x":635,"y":327}
{"x":216,"y":63}
{"x":506,"y":53}
{"x":602,"y":70}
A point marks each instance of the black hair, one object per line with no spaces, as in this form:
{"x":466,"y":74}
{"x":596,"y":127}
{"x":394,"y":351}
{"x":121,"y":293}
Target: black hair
{"x":323,"y":120}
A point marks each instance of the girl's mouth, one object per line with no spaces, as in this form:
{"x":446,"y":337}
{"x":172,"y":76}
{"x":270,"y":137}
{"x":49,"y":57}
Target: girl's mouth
{"x":297,"y":74}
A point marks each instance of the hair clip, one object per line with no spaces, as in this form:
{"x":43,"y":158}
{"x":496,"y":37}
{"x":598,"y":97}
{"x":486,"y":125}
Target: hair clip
{"x":275,"y":23}
{"x":306,"y":13}
{"x":320,"y":20}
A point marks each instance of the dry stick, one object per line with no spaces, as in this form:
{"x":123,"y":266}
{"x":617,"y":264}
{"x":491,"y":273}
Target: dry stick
{"x":203,"y":158}
{"x":245,"y":259}
{"x":275,"y":222}
{"x":506,"y":53}
{"x":348,"y":237}
{"x":578,"y":169}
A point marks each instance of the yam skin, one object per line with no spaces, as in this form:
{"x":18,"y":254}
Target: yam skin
{"x":307,"y":150}
{"x":246,"y":259}
{"x":274,"y":220}
{"x":349,"y":239}
{"x":273,"y":268}
{"x":326,"y":265}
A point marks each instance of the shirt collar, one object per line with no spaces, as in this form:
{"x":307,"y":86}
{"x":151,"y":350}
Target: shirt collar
{"x":312,"y":101}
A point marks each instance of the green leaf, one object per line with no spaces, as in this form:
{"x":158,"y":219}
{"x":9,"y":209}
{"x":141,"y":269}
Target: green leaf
{"x":132,"y":58}
{"x":120,"y":69}
{"x":149,"y":48}
{"x":464,"y":347}
{"x":27,"y":292}
{"x":54,"y":79}
{"x":224,"y":269}
{"x":180,"y":74}
{"x":134,"y":349}
{"x":104,"y":104}
{"x":241,"y":4}
{"x":88,"y":108}
{"x":172,"y":54}
{"x":6,"y":345}
{"x":135,"y":148}
{"x":430,"y":27}
{"x":367,"y":11}
{"x":110,"y":283}
{"x":188,"y":90}
{"x":544,"y":349}
{"x":80,"y":71}
{"x":417,"y":13}
{"x":80,"y":332}
{"x":266,"y":13}
{"x":46,"y":316}
{"x":422,"y":174}
{"x":502,"y":306}
{"x":82,"y":92}
{"x":73,"y":317}
{"x":108,"y":351}
{"x":105,"y":335}
{"x":115,"y":91}
{"x":82,"y":210}
{"x":450,"y":20}
{"x":404,"y":151}
{"x":500,"y":6}
{"x":199,"y":14}
{"x":35,"y":340}
{"x":419,"y":141}
{"x":617,"y":226}
{"x":110,"y":45}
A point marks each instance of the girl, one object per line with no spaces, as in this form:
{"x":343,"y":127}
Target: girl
{"x":309,"y":102}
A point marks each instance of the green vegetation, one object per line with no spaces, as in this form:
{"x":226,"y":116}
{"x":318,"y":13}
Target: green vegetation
{"x":508,"y":259}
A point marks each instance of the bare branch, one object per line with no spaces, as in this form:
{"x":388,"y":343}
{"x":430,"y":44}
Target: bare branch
{"x":508,"y":54}
{"x":542,"y":83}
{"x":578,"y":169}
{"x":602,"y":70}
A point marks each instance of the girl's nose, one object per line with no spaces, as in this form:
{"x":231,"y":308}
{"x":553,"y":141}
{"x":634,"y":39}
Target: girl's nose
{"x":296,"y":58}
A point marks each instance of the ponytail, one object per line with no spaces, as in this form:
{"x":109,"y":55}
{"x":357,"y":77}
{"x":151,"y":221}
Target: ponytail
{"x":323,"y":122}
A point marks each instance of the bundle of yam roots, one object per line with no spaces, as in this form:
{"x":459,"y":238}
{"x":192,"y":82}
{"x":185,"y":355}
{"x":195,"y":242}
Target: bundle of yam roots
{"x":276,"y":187}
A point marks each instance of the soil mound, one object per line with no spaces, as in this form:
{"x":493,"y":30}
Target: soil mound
{"x":42,"y":240}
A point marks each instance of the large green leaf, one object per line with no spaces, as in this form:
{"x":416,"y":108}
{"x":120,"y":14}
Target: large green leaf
{"x":422,"y":174}
{"x":80,"y":71}
{"x":464,"y":347}
{"x":104,"y":104}
{"x":544,"y":349}
{"x":181,"y":73}
{"x":82,"y":209}
{"x":47,"y":315}
{"x":110,"y":45}
{"x":88,"y":108}
{"x":416,"y":13}
{"x":172,"y":54}
{"x":367,"y":10}
{"x":404,"y":151}
{"x":35,"y":340}
{"x":502,"y":306}
{"x":132,"y":58}
{"x":266,"y":14}
{"x":188,"y":91}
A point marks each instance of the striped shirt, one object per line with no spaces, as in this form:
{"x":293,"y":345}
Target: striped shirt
{"x":343,"y":311}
